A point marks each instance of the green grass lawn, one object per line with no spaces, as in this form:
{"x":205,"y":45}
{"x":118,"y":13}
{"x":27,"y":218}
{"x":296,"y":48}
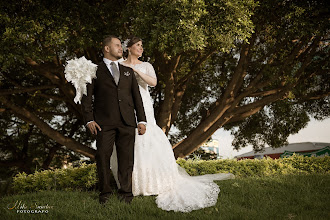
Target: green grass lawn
{"x":281,"y":197}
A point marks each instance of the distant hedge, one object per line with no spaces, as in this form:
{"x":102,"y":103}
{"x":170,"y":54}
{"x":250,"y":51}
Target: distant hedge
{"x":258,"y":167}
{"x":77,"y":178}
{"x":85,"y":176}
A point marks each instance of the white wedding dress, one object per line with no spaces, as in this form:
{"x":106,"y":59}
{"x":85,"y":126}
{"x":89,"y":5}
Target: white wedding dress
{"x":155,"y":169}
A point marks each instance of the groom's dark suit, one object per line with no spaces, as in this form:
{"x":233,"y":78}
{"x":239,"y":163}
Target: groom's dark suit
{"x":113,"y":109}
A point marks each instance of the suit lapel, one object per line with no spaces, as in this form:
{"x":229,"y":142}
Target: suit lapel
{"x":105,"y":69}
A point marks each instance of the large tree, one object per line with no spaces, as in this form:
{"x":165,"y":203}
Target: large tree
{"x":264,"y":89}
{"x":260,"y":69}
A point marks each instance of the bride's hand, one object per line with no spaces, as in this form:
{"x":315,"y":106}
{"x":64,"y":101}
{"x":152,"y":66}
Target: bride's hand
{"x":134,"y":69}
{"x":131,"y":66}
{"x":141,"y":129}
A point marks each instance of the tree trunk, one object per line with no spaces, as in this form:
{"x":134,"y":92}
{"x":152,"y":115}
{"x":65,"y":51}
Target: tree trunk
{"x":168,"y":68}
{"x":220,"y":116}
{"x":50,"y":156}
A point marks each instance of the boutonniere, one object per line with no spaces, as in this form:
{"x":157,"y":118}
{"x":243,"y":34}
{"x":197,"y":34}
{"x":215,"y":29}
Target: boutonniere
{"x":127,"y":73}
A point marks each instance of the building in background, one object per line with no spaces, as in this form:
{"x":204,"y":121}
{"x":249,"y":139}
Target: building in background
{"x":212,"y":147}
{"x":305,"y":148}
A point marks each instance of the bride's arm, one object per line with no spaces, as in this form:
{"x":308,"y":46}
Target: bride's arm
{"x":151,"y":81}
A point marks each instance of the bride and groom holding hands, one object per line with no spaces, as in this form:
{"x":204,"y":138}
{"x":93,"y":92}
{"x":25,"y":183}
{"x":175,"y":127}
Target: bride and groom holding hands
{"x":142,"y":160}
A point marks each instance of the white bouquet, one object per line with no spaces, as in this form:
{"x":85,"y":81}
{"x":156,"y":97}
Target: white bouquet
{"x":80,"y":72}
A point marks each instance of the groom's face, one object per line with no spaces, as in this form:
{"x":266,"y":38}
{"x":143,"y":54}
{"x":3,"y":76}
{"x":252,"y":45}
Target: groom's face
{"x":114,"y":48}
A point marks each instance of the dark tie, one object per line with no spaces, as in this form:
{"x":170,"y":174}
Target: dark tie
{"x":115,"y":72}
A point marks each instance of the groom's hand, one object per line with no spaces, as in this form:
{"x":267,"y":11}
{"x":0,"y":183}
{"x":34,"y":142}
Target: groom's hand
{"x":93,"y":126}
{"x":141,"y":129}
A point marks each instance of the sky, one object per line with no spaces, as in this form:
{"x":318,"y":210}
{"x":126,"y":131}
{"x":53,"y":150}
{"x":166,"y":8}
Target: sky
{"x":315,"y":131}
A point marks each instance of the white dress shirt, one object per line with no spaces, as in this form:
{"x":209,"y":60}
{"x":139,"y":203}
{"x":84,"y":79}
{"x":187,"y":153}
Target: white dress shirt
{"x":108,"y":63}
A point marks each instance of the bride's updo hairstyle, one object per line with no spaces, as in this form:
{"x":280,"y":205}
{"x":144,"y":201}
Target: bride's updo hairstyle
{"x":131,"y":41}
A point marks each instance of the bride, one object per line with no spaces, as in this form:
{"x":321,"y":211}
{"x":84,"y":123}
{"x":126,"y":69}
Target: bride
{"x":155,"y":169}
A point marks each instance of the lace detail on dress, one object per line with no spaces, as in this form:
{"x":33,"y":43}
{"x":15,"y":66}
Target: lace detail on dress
{"x":192,"y":197}
{"x":147,"y":68}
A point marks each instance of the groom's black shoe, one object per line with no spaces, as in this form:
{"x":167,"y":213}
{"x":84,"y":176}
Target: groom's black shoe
{"x":126,"y":199}
{"x":104,"y":197}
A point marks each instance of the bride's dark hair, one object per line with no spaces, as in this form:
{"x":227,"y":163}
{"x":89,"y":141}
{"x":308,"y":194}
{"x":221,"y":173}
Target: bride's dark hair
{"x":131,"y":41}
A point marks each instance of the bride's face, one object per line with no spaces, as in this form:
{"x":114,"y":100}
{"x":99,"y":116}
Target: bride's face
{"x":136,"y":49}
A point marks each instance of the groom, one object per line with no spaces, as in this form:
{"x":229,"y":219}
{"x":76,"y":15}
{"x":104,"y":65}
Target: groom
{"x":110,"y":115}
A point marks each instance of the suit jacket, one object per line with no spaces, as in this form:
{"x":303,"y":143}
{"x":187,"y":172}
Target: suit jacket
{"x":109,"y":104}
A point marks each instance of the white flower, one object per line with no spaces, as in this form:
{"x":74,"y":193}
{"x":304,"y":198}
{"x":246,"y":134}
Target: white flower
{"x":80,"y":72}
{"x":124,"y":45}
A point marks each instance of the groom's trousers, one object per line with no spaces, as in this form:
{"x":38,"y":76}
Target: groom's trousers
{"x":124,"y":137}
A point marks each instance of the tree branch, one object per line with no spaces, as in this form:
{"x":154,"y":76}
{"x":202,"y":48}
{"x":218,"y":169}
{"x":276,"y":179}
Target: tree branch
{"x":265,"y":93}
{"x":28,"y":116}
{"x":229,"y":94}
{"x":48,"y":70}
{"x":244,"y":64}
{"x":12,"y":81}
{"x":312,"y":97}
{"x":50,"y":156}
{"x":54,"y":97}
{"x":32,"y":89}
{"x":195,"y":67}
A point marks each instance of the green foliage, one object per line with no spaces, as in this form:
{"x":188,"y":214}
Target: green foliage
{"x":174,"y":27}
{"x":275,"y":122}
{"x":279,"y":28}
{"x":85,"y":176}
{"x":43,"y":29}
{"x":31,"y":150}
{"x":50,"y":32}
{"x":272,"y":126}
{"x":78,"y":178}
{"x":258,"y":168}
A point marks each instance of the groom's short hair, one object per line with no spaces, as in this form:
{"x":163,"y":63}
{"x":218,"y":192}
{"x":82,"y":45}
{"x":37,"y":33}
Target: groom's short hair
{"x":107,"y":39}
